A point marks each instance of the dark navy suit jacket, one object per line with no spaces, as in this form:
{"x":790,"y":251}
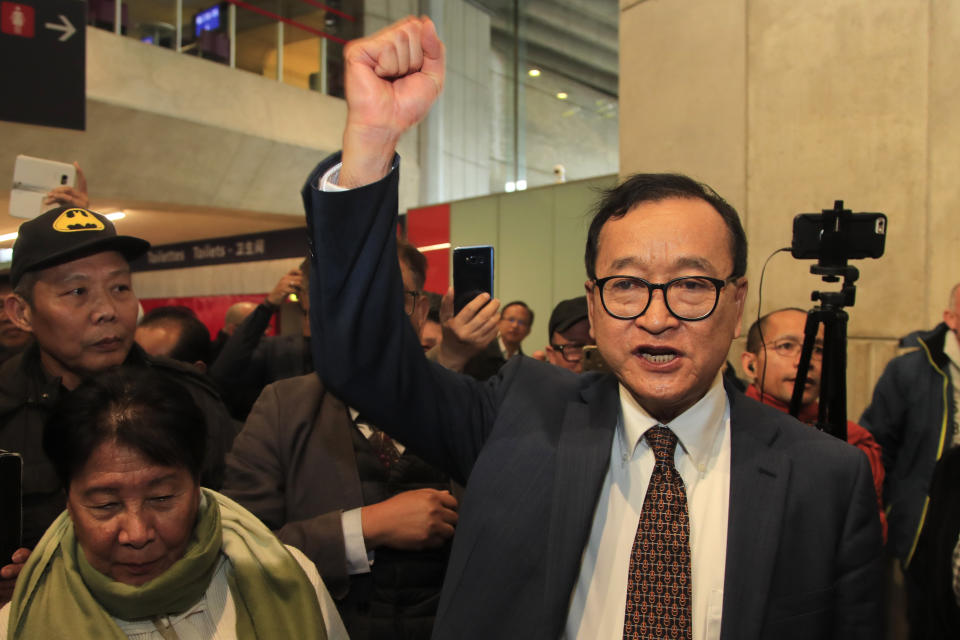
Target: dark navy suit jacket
{"x":533,"y":445}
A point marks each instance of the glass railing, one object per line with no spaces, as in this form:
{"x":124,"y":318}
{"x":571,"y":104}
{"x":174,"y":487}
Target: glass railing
{"x":297,"y":42}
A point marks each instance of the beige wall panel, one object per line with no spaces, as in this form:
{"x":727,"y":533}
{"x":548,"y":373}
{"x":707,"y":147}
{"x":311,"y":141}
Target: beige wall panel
{"x":837,"y":109}
{"x":683,"y":91}
{"x":573,"y":204}
{"x":475,"y":221}
{"x":943,"y":221}
{"x":851,"y":99}
{"x":525,"y":270}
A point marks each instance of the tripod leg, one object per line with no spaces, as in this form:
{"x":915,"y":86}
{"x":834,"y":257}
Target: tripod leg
{"x":810,"y":330}
{"x":833,"y":381}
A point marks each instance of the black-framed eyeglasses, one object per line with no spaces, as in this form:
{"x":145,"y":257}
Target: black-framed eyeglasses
{"x":571,"y":352}
{"x":688,"y":298}
{"x":410,"y":299}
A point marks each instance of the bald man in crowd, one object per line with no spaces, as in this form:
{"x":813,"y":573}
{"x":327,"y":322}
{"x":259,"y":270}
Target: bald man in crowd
{"x":771,"y":361}
{"x":175,"y":332}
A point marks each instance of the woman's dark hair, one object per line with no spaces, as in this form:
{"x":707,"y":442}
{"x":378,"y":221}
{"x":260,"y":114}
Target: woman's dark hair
{"x":136,"y":407}
{"x":654,"y":187}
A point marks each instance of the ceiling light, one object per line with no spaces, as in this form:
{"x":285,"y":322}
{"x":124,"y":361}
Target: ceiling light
{"x":8,"y":236}
{"x":510,"y":187}
{"x":534,"y":73}
{"x":562,"y":95}
{"x":434,"y":247}
{"x":521,"y":185}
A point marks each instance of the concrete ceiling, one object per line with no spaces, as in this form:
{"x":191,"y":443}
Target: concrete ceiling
{"x":576,"y":39}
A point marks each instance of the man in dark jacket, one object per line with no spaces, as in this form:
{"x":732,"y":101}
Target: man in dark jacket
{"x":249,"y":361}
{"x":516,"y":320}
{"x":72,"y":290}
{"x":913,"y":416}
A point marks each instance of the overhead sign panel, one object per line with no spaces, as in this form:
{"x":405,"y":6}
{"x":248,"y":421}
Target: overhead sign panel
{"x":43,"y":75}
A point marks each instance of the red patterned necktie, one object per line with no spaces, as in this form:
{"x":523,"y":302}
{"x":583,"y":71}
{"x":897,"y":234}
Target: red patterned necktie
{"x":383,"y":447}
{"x":658,"y":586}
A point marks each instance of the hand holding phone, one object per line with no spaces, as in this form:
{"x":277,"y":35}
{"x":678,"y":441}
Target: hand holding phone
{"x":472,"y":274}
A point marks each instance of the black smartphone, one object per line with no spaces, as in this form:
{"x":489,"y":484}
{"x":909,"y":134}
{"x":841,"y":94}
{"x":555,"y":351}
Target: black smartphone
{"x":472,"y":274}
{"x":11,"y":505}
{"x":863,"y":236}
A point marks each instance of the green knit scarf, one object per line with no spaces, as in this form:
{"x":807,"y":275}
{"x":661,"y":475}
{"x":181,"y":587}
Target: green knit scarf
{"x":59,"y":595}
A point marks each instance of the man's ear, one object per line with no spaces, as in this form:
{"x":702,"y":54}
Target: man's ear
{"x":740,"y":297}
{"x":950,"y":319}
{"x":588,"y":287}
{"x":19,"y":312}
{"x":421,"y":311}
{"x":749,"y":363}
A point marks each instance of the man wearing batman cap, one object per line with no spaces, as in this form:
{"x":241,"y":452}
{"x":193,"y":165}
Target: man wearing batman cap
{"x":72,"y":290}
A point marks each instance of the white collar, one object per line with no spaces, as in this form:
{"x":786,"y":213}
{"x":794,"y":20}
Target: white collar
{"x":696,"y":428}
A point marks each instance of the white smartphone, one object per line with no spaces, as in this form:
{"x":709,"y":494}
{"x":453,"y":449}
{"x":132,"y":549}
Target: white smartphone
{"x":32,"y":179}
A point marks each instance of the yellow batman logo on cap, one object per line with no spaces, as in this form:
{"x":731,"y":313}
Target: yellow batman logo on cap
{"x":77,"y":220}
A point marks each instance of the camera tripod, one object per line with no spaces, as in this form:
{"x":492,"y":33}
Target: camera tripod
{"x":832,"y":414}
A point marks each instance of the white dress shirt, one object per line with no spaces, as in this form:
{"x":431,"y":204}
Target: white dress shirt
{"x":359,"y":559}
{"x":703,"y":461}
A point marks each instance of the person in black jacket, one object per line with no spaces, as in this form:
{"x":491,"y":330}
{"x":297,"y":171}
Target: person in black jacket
{"x":912,"y":415}
{"x":933,"y":610}
{"x":72,"y":290}
{"x":249,"y":361}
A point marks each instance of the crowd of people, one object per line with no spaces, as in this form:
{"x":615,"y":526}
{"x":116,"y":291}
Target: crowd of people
{"x":398,"y":470}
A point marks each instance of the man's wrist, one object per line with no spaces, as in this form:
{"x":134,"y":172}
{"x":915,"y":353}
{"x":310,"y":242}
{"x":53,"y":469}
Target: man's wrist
{"x":367,"y":155}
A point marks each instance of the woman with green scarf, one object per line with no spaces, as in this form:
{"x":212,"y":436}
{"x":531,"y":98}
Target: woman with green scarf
{"x":143,"y":551}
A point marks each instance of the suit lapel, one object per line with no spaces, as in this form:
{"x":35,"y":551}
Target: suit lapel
{"x":759,"y":478}
{"x":583,"y":455}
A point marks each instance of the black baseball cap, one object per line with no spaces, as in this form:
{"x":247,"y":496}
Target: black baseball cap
{"x":566,"y":314}
{"x":64,"y":234}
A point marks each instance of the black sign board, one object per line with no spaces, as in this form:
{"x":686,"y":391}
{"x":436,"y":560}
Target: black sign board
{"x":269,"y":245}
{"x":43,"y":49}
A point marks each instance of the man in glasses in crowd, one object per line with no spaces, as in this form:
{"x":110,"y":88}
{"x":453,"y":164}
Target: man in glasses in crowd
{"x":648,"y":502}
{"x":569,"y":332}
{"x":771,"y":360}
{"x":516,"y":320}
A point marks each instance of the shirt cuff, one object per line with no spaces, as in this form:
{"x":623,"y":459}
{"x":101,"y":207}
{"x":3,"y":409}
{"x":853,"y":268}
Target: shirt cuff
{"x":328,"y":182}
{"x":358,"y":558}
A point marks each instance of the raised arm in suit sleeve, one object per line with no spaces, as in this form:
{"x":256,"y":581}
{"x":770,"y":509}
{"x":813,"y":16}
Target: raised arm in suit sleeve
{"x":363,"y":343}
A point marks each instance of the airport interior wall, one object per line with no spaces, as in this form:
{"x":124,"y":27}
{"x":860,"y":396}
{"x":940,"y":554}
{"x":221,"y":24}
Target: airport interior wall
{"x":784,"y":107}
